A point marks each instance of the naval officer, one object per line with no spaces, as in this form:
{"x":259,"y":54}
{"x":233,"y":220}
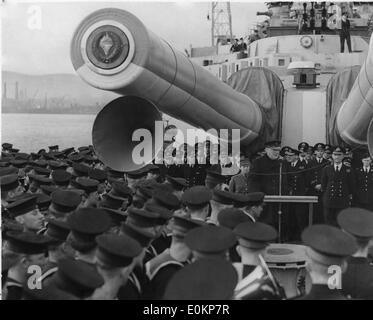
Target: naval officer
{"x":357,"y":281}
{"x":253,"y":238}
{"x":316,"y":165}
{"x":337,"y":184}
{"x":204,"y":279}
{"x":267,"y":174}
{"x":26,"y":213}
{"x":364,"y":184}
{"x":30,"y":249}
{"x":162,"y":267}
{"x":328,"y":247}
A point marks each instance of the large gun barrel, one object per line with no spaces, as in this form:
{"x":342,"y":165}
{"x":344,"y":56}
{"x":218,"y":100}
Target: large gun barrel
{"x":355,"y":118}
{"x":113,"y":50}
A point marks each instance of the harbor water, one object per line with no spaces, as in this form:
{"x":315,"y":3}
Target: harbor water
{"x":32,"y":132}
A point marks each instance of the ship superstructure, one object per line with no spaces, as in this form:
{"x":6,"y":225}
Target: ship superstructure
{"x":299,"y":43}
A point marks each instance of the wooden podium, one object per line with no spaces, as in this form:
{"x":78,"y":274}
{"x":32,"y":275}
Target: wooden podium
{"x":292,"y":199}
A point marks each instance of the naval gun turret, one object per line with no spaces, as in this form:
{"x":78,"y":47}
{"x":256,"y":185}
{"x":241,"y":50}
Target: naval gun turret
{"x":355,"y":117}
{"x":113,"y":50}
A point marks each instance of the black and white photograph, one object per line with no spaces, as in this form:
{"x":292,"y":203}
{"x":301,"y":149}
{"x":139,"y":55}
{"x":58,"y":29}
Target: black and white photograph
{"x":186,"y":151}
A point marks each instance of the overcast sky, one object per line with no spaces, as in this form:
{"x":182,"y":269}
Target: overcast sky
{"x":47,"y":50}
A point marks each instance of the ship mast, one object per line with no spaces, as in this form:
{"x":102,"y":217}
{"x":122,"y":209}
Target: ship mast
{"x":221,"y":22}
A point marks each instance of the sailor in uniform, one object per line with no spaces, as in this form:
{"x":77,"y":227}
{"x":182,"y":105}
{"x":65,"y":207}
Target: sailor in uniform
{"x":36,"y":181}
{"x":197,"y":202}
{"x":153,"y":172}
{"x":303,"y":149}
{"x":59,"y":161}
{"x":26,"y":213}
{"x":230,"y":218}
{"x":77,"y":278}
{"x":267,"y":173}
{"x":85,"y":224}
{"x":242,"y":182}
{"x":79,"y":169}
{"x":137,"y":282}
{"x":30,"y":249}
{"x":61,"y":178}
{"x":101,"y":176}
{"x":115,"y":258}
{"x":165,"y":199}
{"x":298,"y":182}
{"x":90,"y":197}
{"x":57,"y":231}
{"x":162,"y":267}
{"x":364,"y":184}
{"x":63,"y":203}
{"x":9,"y":187}
{"x":163,"y":241}
{"x":214,"y":177}
{"x":337,"y":184}
{"x":327,"y":246}
{"x":221,"y":199}
{"x":210,"y":242}
{"x":251,"y":204}
{"x":6,"y":147}
{"x":327,"y":155}
{"x":253,"y":238}
{"x":176,"y":165}
{"x":135,"y":177}
{"x":196,"y":173}
{"x":204,"y":279}
{"x":357,"y":281}
{"x":316,"y":165}
{"x":121,"y":192}
{"x":178,"y":185}
{"x":43,"y":202}
{"x":148,"y":221}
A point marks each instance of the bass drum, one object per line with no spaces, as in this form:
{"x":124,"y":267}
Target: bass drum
{"x":287,"y":263}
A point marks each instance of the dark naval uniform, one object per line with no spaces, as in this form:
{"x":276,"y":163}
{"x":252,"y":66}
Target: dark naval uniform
{"x":26,"y":243}
{"x":337,"y":186}
{"x":162,"y":243}
{"x":298,"y":182}
{"x":363,"y":195}
{"x":316,"y":165}
{"x":150,"y":253}
{"x":159,"y":271}
{"x":13,"y":289}
{"x":266,"y":174}
{"x":255,"y":236}
{"x":48,"y":271}
{"x":134,"y":287}
{"x":357,"y":281}
{"x":196,"y":174}
{"x":176,"y":170}
{"x":326,"y":245}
